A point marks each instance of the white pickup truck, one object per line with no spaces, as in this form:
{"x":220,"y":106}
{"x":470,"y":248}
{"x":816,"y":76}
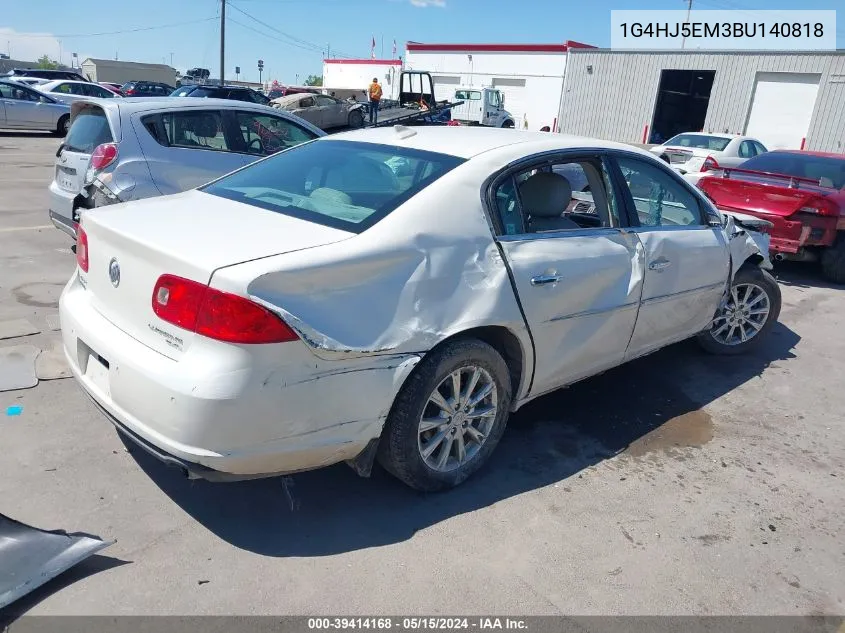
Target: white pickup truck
{"x":481,"y":106}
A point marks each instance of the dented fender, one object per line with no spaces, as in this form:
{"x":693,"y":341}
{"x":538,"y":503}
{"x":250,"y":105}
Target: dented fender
{"x":744,"y":241}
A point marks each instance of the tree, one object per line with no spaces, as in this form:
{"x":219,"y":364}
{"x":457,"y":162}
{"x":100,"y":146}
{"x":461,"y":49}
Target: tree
{"x":314,"y":80}
{"x":45,"y":63}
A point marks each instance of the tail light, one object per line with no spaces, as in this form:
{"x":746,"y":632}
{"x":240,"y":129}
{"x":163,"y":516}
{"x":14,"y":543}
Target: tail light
{"x":709,"y":164}
{"x":129,"y":92}
{"x":103,"y":156}
{"x":216,"y":314}
{"x":82,"y":248}
{"x":819,"y":206}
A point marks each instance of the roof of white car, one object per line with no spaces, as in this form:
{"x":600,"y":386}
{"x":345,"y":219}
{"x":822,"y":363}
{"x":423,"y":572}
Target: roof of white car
{"x":713,"y":134}
{"x":466,"y":142}
{"x":56,"y":82}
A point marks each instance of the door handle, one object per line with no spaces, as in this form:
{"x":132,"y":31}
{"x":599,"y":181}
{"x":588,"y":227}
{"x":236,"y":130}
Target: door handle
{"x":541,"y":280}
{"x":659,"y":264}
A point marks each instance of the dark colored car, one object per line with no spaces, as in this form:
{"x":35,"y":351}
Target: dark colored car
{"x":801,"y":193}
{"x":235,"y":93}
{"x":145,"y":89}
{"x":41,"y":73}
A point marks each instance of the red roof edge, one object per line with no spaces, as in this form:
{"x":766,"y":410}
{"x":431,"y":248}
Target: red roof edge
{"x":496,"y":48}
{"x":574,"y":44}
{"x":372,"y":62}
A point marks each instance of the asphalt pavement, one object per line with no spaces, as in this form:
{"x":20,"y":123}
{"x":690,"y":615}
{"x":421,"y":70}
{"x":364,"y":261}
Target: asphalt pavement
{"x":680,"y":483}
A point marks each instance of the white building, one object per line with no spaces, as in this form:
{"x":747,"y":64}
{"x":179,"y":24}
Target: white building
{"x":120,"y":72}
{"x":345,"y":75}
{"x":529,"y":75}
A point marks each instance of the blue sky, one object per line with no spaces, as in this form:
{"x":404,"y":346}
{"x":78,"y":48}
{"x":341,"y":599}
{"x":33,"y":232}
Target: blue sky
{"x":347,"y":26}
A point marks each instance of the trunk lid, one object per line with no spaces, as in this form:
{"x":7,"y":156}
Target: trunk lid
{"x":90,"y":127}
{"x":190,"y":235}
{"x":690,"y":158}
{"x":762,"y":194}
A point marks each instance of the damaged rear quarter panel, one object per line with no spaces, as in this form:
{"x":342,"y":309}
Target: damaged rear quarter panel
{"x":427,"y":271}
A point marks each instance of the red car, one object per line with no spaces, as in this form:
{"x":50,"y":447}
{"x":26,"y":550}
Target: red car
{"x":801,"y":193}
{"x":115,"y":88}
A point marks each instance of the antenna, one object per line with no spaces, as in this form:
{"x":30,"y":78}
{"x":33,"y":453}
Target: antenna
{"x":689,"y":9}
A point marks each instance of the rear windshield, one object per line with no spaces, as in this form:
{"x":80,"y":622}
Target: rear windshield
{"x":341,"y":184}
{"x":699,"y":141}
{"x":828,"y":171}
{"x":201,"y":92}
{"x":89,"y":129}
{"x":471,"y":95}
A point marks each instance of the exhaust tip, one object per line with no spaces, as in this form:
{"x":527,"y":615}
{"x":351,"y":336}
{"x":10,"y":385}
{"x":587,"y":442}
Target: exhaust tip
{"x":779,"y":257}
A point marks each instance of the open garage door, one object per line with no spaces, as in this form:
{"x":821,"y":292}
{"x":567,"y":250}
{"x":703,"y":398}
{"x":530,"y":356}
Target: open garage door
{"x":444,"y":86}
{"x":782,"y":108}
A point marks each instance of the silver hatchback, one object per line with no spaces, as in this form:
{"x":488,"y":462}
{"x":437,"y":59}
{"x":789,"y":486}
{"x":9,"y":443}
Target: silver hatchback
{"x":119,"y":150}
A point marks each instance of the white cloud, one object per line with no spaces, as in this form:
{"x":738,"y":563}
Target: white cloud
{"x":428,"y":3}
{"x":30,"y":46}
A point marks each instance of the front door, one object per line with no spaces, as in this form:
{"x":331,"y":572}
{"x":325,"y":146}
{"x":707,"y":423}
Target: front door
{"x":577,"y":274}
{"x":21,"y":106}
{"x":687,"y":261}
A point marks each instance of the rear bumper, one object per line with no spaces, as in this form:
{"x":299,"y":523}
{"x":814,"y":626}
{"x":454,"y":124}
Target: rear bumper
{"x":63,"y":209}
{"x":220,"y":414}
{"x":791,"y":234}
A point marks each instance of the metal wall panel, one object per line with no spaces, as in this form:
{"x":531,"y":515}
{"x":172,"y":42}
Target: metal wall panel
{"x":616,"y":100}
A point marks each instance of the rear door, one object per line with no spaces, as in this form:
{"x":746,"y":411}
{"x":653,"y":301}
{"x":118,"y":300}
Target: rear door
{"x":577,"y":273}
{"x":686,"y":260}
{"x":187,"y":148}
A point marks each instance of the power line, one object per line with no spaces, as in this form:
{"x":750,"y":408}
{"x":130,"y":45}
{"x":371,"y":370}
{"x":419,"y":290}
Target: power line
{"x":304,"y":44}
{"x":143,"y":28}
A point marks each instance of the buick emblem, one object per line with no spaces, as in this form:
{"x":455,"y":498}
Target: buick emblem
{"x":114,"y":272}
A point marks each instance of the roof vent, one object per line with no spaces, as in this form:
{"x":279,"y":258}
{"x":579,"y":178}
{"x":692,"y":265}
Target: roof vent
{"x":404,"y":132}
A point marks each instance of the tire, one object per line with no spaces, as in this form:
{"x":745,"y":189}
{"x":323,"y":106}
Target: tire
{"x":757,"y":280}
{"x":356,"y":119}
{"x":508,"y":124}
{"x":62,"y":125}
{"x":833,"y":260}
{"x":403,"y":441}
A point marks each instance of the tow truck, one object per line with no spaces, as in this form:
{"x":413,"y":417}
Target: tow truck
{"x":417,"y":104}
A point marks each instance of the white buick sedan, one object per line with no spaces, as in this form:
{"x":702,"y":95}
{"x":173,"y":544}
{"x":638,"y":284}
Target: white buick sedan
{"x":395,"y":294}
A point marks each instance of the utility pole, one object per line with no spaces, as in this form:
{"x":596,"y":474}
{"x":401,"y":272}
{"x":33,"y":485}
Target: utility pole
{"x":171,"y":60}
{"x":328,"y":51}
{"x":689,"y":8}
{"x":222,"y":41}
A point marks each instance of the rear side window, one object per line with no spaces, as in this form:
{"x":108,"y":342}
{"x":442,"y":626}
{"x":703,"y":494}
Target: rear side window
{"x":699,"y":141}
{"x":342,"y":184}
{"x":193,"y":129}
{"x":89,"y":129}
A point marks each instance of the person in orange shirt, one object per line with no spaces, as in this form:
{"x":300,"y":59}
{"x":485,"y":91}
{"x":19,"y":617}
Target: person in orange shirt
{"x":375,"y":97}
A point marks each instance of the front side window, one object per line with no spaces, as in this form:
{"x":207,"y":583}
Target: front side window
{"x":307,"y":102}
{"x":342,"y":184}
{"x":265,"y":134}
{"x":195,"y":129}
{"x":493,"y":99}
{"x":658,"y":198}
{"x":569,"y":194}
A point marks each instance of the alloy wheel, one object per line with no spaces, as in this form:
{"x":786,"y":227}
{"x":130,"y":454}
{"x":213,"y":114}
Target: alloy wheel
{"x":457,"y":418}
{"x":742,"y":315}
